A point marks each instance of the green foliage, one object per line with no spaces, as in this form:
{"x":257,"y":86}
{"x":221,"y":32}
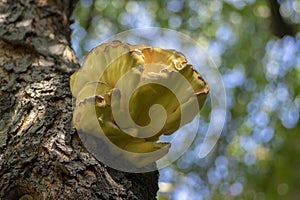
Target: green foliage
{"x":257,"y":156}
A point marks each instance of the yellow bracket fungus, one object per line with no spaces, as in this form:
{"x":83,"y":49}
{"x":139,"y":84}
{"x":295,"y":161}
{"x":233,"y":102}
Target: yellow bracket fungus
{"x":130,"y":95}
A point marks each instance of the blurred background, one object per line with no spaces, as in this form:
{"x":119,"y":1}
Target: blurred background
{"x":255,"y":45}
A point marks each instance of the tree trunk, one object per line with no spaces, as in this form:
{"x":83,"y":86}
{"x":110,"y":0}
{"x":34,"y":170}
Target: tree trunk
{"x":41,"y":155}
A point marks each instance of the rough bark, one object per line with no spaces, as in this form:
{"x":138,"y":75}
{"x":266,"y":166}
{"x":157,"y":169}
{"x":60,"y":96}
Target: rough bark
{"x":41,"y":155}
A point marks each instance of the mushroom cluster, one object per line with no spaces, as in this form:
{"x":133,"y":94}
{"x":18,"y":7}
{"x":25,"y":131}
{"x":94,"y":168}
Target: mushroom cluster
{"x":130,"y":95}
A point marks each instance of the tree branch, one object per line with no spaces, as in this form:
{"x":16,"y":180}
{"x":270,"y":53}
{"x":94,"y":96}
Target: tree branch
{"x":280,"y":27}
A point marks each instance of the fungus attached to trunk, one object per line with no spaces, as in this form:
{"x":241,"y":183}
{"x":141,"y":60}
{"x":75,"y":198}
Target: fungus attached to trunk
{"x":130,"y":95}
